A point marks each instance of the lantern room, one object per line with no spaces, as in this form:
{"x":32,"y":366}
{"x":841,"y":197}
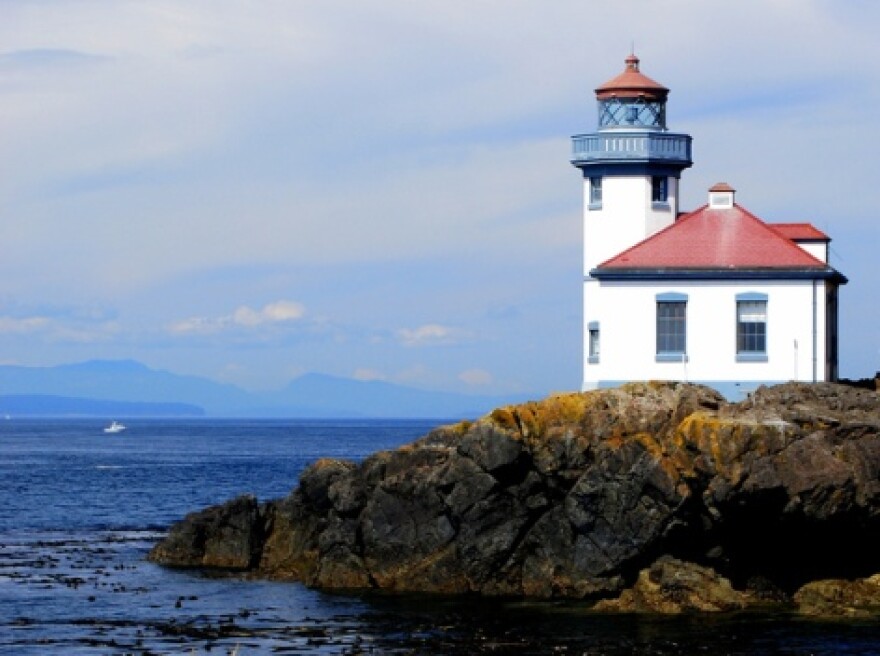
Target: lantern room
{"x":632,"y":100}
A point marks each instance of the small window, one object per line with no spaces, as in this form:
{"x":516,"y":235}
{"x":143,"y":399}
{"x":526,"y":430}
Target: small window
{"x":751,"y":327}
{"x":632,"y":114}
{"x":596,"y":192}
{"x":593,"y":343}
{"x":721,"y":200}
{"x":659,"y":189}
{"x":671,"y":326}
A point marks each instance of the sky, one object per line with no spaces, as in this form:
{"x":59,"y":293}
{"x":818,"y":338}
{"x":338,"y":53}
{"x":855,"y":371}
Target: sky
{"x":249,"y":190}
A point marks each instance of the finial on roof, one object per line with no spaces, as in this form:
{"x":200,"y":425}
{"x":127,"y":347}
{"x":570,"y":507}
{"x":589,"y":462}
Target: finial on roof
{"x":632,"y":63}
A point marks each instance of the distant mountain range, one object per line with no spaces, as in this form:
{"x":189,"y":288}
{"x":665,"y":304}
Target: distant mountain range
{"x":50,"y":405}
{"x":126,"y":388}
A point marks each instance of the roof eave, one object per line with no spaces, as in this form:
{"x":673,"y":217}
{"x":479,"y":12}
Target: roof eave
{"x":715,"y":273}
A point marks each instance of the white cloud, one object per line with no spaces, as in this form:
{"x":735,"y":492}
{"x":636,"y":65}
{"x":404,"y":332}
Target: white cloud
{"x":60,"y":326}
{"x":280,"y":312}
{"x":24,"y":325}
{"x":476,"y":377}
{"x":430,"y":334}
{"x":195,"y":326}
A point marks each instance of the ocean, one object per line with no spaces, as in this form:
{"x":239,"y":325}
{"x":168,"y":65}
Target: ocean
{"x":80,"y":509}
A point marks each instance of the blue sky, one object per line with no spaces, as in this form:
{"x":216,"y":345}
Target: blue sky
{"x":252,"y":190}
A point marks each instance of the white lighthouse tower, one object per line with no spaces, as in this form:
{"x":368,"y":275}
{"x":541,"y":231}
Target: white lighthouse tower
{"x":631,"y":166}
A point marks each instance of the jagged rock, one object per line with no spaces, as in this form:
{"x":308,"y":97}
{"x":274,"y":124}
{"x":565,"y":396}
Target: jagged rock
{"x":840,"y":598}
{"x":228,"y":536}
{"x":574,"y":495}
{"x":797,"y":465}
{"x":673,"y":586}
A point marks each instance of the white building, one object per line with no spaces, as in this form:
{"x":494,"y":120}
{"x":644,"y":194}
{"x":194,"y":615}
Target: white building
{"x":715,"y":296}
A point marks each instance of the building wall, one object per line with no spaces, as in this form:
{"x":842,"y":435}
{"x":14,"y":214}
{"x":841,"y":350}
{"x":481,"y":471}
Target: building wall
{"x":626,"y":314}
{"x":625,"y":218}
{"x":817,"y":249}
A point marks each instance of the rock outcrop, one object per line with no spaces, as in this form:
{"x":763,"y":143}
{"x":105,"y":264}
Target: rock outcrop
{"x":672,"y":586}
{"x":575,"y":495}
{"x":840,"y":598}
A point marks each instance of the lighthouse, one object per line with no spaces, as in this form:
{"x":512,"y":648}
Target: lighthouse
{"x":631,"y":166}
{"x":716,"y":295}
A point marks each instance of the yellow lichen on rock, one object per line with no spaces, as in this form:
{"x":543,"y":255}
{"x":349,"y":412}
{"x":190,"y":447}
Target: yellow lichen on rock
{"x":672,"y":586}
{"x":706,"y":440}
{"x":529,"y":424}
{"x":460,"y":428}
{"x":504,"y":417}
{"x":670,"y":466}
{"x":567,"y":408}
{"x":533,"y":419}
{"x":840,"y":598}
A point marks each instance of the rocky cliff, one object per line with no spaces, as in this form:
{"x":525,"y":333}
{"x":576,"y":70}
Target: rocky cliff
{"x":575,"y":495}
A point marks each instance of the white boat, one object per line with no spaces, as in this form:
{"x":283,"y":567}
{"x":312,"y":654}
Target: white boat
{"x":114,"y":427}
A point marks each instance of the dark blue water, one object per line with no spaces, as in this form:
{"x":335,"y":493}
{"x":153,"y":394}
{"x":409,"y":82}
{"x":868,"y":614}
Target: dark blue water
{"x":80,"y":509}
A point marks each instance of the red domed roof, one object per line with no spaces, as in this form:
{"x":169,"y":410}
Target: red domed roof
{"x":632,"y":84}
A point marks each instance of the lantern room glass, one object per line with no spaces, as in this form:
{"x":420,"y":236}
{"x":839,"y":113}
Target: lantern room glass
{"x":632,"y":113}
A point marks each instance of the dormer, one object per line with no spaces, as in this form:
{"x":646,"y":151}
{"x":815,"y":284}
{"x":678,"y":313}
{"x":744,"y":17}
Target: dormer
{"x":807,"y":236}
{"x":721,"y":196}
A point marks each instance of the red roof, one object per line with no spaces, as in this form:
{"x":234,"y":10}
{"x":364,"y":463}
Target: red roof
{"x":632,"y":84}
{"x":715,"y":238}
{"x":800,"y":231}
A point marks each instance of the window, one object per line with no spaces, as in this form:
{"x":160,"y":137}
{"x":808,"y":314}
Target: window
{"x":593,"y":342}
{"x":671,"y":327}
{"x":659,"y":189}
{"x":632,"y":114}
{"x":751,"y":327}
{"x":596,"y":192}
{"x":721,"y":200}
